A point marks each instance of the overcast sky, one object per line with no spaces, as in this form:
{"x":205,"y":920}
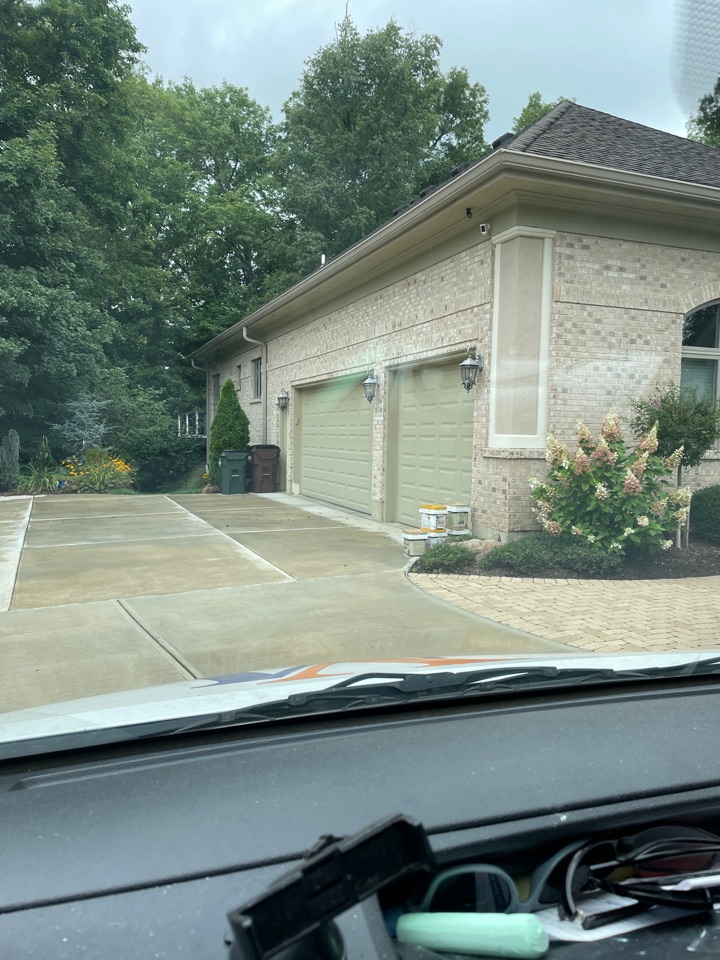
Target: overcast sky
{"x":612,"y":55}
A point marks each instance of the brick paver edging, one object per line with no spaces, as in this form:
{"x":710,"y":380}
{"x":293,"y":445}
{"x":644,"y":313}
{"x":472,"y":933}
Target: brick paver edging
{"x":602,"y":616}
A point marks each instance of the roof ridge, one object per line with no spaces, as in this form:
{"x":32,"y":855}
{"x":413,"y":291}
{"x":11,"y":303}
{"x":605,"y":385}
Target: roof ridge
{"x":529,"y":134}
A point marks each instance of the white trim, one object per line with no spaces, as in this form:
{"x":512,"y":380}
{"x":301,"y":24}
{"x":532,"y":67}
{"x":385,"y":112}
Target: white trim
{"x":517,"y":231}
{"x":537,"y":442}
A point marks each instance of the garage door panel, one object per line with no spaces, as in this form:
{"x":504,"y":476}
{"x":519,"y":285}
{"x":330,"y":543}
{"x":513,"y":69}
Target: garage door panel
{"x":336,"y":445}
{"x":434,"y":439}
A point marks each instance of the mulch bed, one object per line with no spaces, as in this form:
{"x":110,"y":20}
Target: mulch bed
{"x":700,"y":559}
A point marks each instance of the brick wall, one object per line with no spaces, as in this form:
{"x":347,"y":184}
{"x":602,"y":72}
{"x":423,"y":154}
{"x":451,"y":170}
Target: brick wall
{"x":616,"y":333}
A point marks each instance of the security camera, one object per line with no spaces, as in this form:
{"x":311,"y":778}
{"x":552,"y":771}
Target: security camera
{"x":484,"y":229}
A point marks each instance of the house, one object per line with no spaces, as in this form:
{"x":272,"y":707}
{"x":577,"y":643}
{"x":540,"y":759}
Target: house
{"x":569,"y":256}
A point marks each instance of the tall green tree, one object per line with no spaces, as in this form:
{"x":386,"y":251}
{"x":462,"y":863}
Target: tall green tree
{"x":705,"y":125}
{"x":230,"y":429}
{"x":64,"y":66}
{"x":534,"y":109}
{"x":52,"y":327}
{"x":374,"y":121}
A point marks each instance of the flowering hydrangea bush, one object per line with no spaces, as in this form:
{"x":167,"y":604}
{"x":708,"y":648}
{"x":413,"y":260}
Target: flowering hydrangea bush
{"x":609,"y":495}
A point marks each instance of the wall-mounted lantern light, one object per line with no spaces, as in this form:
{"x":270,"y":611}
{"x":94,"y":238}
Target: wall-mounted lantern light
{"x":283,"y":398}
{"x":470,"y":368}
{"x":370,"y":386}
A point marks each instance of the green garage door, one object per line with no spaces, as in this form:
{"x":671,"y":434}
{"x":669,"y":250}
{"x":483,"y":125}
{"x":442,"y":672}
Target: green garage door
{"x":433,"y":438}
{"x":336,"y":444}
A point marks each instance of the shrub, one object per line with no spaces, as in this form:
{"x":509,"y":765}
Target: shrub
{"x":42,"y":474}
{"x":530,"y":557}
{"x":98,"y":472}
{"x":587,"y":559}
{"x":445,"y":558}
{"x":684,"y":421}
{"x":540,"y":555}
{"x":705,"y":514}
{"x":230,"y":428}
{"x":607,"y":495}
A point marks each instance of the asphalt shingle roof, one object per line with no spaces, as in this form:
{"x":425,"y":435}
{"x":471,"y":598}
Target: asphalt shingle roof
{"x":573,"y":132}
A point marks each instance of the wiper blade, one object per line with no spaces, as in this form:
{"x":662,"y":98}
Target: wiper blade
{"x":404,"y":687}
{"x":371,"y":690}
{"x":378,"y":689}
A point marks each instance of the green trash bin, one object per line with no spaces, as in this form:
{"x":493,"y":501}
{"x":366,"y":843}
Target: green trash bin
{"x":233,"y":471}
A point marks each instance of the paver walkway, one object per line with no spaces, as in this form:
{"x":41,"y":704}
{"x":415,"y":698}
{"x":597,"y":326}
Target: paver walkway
{"x":601,"y":616}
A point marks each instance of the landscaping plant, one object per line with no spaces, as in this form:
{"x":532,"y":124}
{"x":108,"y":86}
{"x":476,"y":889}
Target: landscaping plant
{"x":445,"y":558}
{"x":705,"y":517}
{"x":98,"y":472}
{"x":230,"y":428}
{"x":608,"y":495}
{"x":684,"y":421}
{"x":42,"y":474}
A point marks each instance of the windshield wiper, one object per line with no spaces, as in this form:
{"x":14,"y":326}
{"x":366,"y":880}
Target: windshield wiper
{"x":379,"y":689}
{"x":373,"y":690}
{"x":409,"y":687}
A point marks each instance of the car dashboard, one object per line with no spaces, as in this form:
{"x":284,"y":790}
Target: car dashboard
{"x":141,"y":850}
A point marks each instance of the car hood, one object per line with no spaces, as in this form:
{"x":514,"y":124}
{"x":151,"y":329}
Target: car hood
{"x":123,"y":715}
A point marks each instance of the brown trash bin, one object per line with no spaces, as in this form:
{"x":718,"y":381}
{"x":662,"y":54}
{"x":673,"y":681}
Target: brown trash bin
{"x":265,"y":467}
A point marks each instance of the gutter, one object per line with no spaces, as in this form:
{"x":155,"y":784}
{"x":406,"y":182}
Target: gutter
{"x":262,"y":344}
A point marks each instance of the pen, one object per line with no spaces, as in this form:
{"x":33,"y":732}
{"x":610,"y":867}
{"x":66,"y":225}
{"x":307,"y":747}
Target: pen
{"x":594,"y":920}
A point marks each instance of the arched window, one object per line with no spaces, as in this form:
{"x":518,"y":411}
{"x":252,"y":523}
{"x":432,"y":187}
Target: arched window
{"x":701,"y":352}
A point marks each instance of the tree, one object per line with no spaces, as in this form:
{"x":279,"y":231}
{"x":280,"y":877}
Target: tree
{"x":9,"y":459}
{"x":52,"y":327}
{"x":83,"y":427}
{"x":64,"y":115}
{"x":230,"y":428}
{"x":65,"y":63}
{"x":373,"y":122}
{"x":684,"y":421}
{"x":533,"y":110}
{"x":705,"y":126}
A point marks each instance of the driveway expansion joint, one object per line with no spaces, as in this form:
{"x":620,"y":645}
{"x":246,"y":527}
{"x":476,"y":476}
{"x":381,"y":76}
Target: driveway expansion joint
{"x":188,"y":670}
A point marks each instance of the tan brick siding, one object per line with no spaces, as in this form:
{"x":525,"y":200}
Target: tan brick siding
{"x":616,"y":333}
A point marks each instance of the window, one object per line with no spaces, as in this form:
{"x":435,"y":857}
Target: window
{"x":701,"y":353}
{"x":238,"y":376}
{"x":215,"y":391}
{"x":257,"y":378}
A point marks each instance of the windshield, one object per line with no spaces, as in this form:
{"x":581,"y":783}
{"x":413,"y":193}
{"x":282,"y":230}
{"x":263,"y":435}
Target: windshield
{"x":345,"y":347}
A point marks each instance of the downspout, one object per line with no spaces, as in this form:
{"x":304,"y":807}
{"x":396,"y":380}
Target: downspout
{"x":207,"y":412}
{"x":260,"y":343}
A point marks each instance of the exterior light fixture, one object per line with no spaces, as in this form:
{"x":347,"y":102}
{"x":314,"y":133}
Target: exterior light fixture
{"x":283,"y":398}
{"x":370,"y":386}
{"x":470,"y":367}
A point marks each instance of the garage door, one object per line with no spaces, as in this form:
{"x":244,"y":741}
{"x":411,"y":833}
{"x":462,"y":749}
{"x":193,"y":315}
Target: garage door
{"x":336,"y":444}
{"x":433,"y":439}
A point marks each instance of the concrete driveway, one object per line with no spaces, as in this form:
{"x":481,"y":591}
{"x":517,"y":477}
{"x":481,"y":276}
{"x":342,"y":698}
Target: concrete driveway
{"x":105,"y":593}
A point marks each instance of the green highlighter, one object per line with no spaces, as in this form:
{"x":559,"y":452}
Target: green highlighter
{"x":518,"y":935}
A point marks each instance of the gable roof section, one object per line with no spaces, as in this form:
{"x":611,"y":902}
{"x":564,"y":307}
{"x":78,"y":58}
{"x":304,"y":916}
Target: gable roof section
{"x":573,"y":132}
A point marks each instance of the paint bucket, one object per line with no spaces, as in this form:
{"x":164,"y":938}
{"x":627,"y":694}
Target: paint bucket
{"x":435,"y":538}
{"x":458,"y":516}
{"x":414,"y":542}
{"x":460,"y":535}
{"x":433,"y":516}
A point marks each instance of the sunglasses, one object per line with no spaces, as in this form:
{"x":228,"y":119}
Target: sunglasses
{"x":649,"y":867}
{"x":484,"y":888}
